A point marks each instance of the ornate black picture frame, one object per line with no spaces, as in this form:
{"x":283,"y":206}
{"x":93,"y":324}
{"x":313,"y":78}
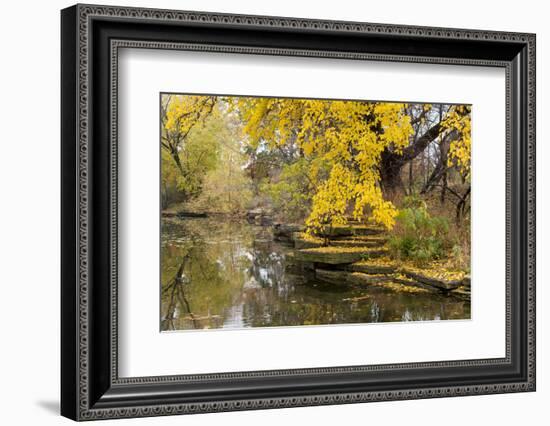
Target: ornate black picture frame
{"x":91,"y":36}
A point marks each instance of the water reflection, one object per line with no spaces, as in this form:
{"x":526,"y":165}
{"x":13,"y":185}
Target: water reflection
{"x":230,"y":274}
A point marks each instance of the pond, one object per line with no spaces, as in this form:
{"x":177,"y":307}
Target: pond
{"x":220,"y":273}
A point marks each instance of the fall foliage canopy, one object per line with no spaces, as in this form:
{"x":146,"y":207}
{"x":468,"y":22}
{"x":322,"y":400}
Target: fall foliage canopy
{"x":332,"y":148}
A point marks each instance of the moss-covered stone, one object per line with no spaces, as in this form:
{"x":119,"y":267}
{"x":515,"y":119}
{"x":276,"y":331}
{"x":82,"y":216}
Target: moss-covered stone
{"x":350,"y":230}
{"x":405,"y":280}
{"x":462,"y":292}
{"x":359,"y":241}
{"x":338,"y":255}
{"x":284,"y":232}
{"x":359,"y":279}
{"x":433,"y":278}
{"x":371,"y":238}
{"x":303,"y":240}
{"x":340,"y":277}
{"x":373,"y":266}
{"x":293,"y":266}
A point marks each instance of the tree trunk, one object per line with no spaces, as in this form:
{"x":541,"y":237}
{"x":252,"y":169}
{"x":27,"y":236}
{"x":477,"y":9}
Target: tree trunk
{"x":444,"y":187}
{"x":411,"y":179}
{"x":439,"y":172}
{"x":461,"y":205}
{"x":390,"y":173}
{"x":392,"y":163}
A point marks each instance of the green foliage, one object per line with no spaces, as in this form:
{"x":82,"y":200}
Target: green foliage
{"x":291,"y":191}
{"x":264,"y":162}
{"x":365,"y":256}
{"x":418,"y":236}
{"x":198,"y":155}
{"x":169,"y":181}
{"x":414,"y":202}
{"x":226,"y":188}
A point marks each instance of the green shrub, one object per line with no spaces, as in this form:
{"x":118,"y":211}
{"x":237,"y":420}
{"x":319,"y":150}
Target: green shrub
{"x":290,"y":193}
{"x":414,"y":202}
{"x":418,"y":236}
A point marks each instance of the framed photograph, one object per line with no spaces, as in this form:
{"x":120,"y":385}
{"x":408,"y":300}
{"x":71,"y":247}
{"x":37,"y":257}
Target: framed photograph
{"x":263,"y":212}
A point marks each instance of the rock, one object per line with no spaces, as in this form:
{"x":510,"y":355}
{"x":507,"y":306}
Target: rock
{"x":349,"y":278}
{"x":306,"y":270}
{"x":284,"y":232}
{"x":301,"y":241}
{"x":467,"y":281}
{"x":431,"y":281}
{"x":412,"y":283}
{"x":262,"y":243}
{"x":264,"y":220}
{"x":462,"y":292}
{"x":255,"y":212}
{"x":338,"y":255}
{"x":350,"y":230}
{"x":359,"y":241}
{"x":332,"y":277}
{"x":259,"y":216}
{"x":371,"y":268}
{"x":360,"y":279}
{"x":258,"y":212}
{"x":293,"y":266}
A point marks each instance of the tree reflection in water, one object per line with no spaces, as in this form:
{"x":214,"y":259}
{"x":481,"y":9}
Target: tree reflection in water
{"x":224,"y":274}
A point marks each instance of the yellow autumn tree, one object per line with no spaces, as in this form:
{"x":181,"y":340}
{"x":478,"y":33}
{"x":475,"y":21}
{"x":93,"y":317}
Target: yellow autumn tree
{"x":190,"y":126}
{"x":180,"y":114}
{"x":458,"y":119}
{"x":348,"y":136}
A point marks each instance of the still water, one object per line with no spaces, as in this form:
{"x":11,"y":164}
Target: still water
{"x":218,"y":273}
